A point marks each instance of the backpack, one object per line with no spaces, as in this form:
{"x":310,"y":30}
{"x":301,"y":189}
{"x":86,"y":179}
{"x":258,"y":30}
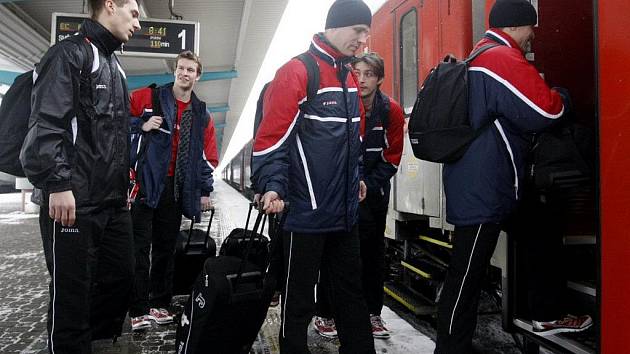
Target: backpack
{"x":312,"y":86}
{"x":15,"y":112}
{"x":561,"y":157}
{"x":439,"y":127}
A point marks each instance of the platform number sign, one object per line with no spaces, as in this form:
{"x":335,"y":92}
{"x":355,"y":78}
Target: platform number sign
{"x":157,"y":38}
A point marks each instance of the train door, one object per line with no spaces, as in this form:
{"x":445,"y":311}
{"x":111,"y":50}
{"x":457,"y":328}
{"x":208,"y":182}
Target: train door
{"x":416,"y":181}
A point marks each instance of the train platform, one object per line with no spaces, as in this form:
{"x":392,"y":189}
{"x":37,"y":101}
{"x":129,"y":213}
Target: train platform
{"x":24,"y":293}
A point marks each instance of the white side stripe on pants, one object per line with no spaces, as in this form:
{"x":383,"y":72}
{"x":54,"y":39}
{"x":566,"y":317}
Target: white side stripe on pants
{"x":472,"y":252}
{"x":286,"y":287}
{"x":54,"y":280}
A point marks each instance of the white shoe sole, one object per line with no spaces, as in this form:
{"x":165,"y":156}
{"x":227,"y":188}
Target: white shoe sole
{"x":141,"y":327}
{"x":161,"y":322}
{"x":563,"y":330}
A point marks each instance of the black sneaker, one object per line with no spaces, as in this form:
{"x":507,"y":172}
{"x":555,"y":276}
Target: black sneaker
{"x":569,"y":323}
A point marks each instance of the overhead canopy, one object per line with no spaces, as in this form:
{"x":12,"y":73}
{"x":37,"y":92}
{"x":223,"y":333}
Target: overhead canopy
{"x":235,"y":35}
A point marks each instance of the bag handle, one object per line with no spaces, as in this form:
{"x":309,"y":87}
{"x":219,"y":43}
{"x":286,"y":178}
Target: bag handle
{"x":192,"y":222}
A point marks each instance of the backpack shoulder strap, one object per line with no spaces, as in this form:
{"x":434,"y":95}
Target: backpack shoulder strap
{"x":88,"y":54}
{"x":259,"y":109}
{"x":312,"y":70}
{"x":477,"y":52}
{"x":155,"y":100}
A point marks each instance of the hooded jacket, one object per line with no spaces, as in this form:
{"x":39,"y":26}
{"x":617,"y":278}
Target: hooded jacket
{"x":154,"y":163}
{"x":484,"y":185}
{"x":309,"y":153}
{"x":80,"y":146}
{"x":383,"y":145}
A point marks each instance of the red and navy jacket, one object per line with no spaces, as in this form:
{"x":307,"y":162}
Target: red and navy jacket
{"x":308,"y":152}
{"x":154,"y":163}
{"x":484,"y":185}
{"x":383,"y":145}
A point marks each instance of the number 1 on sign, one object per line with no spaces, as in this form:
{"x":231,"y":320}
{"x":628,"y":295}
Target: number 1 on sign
{"x":182,"y":35}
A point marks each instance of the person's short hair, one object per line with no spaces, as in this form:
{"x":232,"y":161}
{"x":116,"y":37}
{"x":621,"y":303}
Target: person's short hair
{"x":187,"y":54}
{"x":374,"y":61}
{"x":96,"y":6}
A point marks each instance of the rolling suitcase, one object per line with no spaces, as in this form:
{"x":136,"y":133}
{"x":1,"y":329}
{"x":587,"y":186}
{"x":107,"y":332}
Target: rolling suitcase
{"x":192,"y":249}
{"x":228,"y":303}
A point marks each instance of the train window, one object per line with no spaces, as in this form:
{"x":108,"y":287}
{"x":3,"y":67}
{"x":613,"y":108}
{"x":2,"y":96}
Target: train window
{"x":408,"y":58}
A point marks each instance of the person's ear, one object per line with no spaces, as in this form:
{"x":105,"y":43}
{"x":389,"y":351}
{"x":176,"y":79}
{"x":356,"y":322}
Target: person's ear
{"x":110,"y":6}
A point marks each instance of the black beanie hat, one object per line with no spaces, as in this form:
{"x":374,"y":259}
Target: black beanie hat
{"x":512,"y":13}
{"x":344,"y":13}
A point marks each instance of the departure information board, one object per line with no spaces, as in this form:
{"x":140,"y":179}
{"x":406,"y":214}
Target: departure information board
{"x":157,"y":38}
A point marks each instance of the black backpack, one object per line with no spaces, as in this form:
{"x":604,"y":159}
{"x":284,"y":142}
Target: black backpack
{"x":561,"y":157}
{"x":312,"y":86}
{"x":439,"y":127}
{"x":15,"y":112}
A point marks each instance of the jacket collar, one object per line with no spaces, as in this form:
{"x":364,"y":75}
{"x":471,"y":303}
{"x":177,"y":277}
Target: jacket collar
{"x":327,"y":52}
{"x":501,"y":37}
{"x":100,"y":36}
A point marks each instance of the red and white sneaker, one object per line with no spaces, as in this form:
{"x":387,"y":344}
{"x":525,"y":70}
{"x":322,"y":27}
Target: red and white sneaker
{"x":275,"y":300}
{"x":569,"y":323}
{"x":325,"y":327}
{"x":160,"y":316}
{"x":139,"y":323}
{"x":378,"y":327}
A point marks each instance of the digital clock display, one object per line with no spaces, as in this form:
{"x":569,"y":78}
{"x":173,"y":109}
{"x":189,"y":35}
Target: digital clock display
{"x":156,"y":38}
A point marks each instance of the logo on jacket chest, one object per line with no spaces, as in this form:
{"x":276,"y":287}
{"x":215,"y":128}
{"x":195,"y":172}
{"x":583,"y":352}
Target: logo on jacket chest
{"x":330,"y":103}
{"x":101,"y":87}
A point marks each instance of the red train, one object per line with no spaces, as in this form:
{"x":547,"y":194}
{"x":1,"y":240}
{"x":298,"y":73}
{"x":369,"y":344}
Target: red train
{"x":581,"y":45}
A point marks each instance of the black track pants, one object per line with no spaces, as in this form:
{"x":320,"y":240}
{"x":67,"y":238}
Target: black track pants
{"x":337,"y":253}
{"x":457,"y":309}
{"x":155,"y":235}
{"x":372,"y":241}
{"x":91,"y":269}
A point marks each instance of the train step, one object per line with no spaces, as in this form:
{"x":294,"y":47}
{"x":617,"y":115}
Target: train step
{"x":416,"y":303}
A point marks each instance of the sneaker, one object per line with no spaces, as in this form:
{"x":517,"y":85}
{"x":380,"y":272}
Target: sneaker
{"x":378,"y":327}
{"x":569,"y":323}
{"x":275,"y":300}
{"x":325,"y":327}
{"x":139,"y":323}
{"x":160,"y":316}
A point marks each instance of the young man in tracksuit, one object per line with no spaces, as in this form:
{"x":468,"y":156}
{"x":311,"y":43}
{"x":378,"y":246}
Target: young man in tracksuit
{"x":484,"y":186}
{"x":382,"y":149}
{"x":77,"y":152}
{"x":308,"y":154}
{"x":176,"y":154}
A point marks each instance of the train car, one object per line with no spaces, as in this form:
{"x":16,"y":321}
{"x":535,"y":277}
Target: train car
{"x":580,"y":46}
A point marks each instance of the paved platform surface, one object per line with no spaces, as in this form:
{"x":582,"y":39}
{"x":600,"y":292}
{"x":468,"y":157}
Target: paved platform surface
{"x":24,"y":294}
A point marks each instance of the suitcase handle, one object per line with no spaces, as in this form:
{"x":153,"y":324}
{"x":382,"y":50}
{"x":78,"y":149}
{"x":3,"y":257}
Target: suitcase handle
{"x":192,"y":223}
{"x":250,"y":242}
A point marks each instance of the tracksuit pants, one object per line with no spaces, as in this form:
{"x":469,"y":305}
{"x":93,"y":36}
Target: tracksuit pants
{"x":336,"y":253}
{"x":155,"y":235}
{"x":91,"y":269}
{"x":372,"y":246}
{"x":457,"y":309}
